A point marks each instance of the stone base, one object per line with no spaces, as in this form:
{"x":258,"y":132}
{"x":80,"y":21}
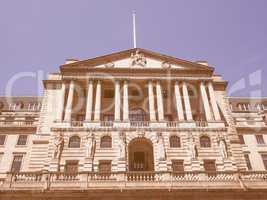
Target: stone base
{"x":88,"y":164}
{"x":91,"y":124}
{"x":121,"y":166}
{"x":187,"y":124}
{"x":216,"y":124}
{"x":157,"y":124}
{"x":163,"y":165}
{"x":121,"y":124}
{"x":53,"y":167}
{"x":195,"y":165}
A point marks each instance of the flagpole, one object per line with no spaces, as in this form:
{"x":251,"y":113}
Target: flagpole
{"x":134,"y":30}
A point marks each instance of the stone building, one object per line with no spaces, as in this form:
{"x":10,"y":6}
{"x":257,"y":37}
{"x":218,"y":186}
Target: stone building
{"x":133,"y":124}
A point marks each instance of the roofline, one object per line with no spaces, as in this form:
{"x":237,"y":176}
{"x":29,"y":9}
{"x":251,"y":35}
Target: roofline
{"x":140,"y":49}
{"x":247,"y":97}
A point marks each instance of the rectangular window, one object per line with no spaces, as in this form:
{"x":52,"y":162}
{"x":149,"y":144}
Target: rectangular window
{"x":209,"y":165}
{"x":16,"y":164}
{"x":248,"y":162}
{"x":104,"y":166}
{"x":108,"y":93}
{"x":241,"y":139}
{"x":260,"y":139}
{"x":177,"y":165}
{"x":22,"y":140}
{"x":108,"y":117}
{"x":71,"y":167}
{"x":264,"y":159}
{"x":2,"y":139}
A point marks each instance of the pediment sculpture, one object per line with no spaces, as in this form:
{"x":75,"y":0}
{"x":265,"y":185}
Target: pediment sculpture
{"x":138,"y":59}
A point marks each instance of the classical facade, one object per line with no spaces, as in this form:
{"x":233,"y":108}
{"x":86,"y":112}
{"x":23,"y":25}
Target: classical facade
{"x":133,"y":124}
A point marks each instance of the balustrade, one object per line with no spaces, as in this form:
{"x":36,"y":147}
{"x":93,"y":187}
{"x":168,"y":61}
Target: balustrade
{"x":58,"y":179}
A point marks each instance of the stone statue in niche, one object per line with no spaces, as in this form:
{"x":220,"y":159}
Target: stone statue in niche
{"x":122,"y":142}
{"x":89,"y":145}
{"x":161,"y":148}
{"x":193,"y":147}
{"x":138,"y":59}
{"x":222,"y":147}
{"x":59,"y":145}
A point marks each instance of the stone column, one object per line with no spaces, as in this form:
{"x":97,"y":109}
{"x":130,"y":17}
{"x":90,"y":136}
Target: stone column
{"x":89,"y":103}
{"x":61,"y":102}
{"x":125,"y":102}
{"x":188,"y":111}
{"x":151,"y":103}
{"x":97,"y":112}
{"x":69,"y":102}
{"x":159,"y":102}
{"x":179,"y":105}
{"x":214,"y":103}
{"x":117,"y":101}
{"x":205,"y":101}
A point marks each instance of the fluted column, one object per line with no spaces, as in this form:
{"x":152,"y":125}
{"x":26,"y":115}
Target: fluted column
{"x":69,"y":102}
{"x":61,"y":102}
{"x":97,"y":112}
{"x":159,"y":102}
{"x":125,"y":102}
{"x":89,"y":103}
{"x":117,"y":101}
{"x":151,"y":102}
{"x":205,"y":101}
{"x":213,"y":102}
{"x":188,"y":111}
{"x":179,"y":104}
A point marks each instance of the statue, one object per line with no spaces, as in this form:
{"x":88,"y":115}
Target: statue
{"x":59,"y":144}
{"x":193,"y":147}
{"x":138,"y":59}
{"x":161,"y":149}
{"x":89,"y":145}
{"x":122,"y":141}
{"x":223,"y":147}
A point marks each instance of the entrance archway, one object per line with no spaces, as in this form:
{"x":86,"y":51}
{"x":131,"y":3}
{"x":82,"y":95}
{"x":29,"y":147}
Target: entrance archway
{"x":140,"y":155}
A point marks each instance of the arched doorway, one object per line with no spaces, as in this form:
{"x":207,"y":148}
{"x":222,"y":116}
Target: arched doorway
{"x":140,"y":155}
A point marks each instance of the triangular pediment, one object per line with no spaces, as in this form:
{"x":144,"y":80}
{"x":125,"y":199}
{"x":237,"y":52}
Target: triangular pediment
{"x":137,"y":58}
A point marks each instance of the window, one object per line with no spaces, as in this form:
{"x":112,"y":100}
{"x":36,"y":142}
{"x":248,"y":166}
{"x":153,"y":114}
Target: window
{"x":16,"y":164}
{"x":106,"y":142}
{"x":2,"y":139}
{"x":248,"y":161}
{"x":175,"y":141}
{"x":241,"y":139}
{"x":260,"y":139}
{"x":205,"y":141}
{"x":108,"y":117}
{"x":74,"y":142}
{"x":108,"y":93}
{"x":104,"y":166}
{"x":22,"y":140}
{"x":177,"y":165}
{"x":264,"y":159}
{"x":209,"y":165}
{"x":71,"y":167}
{"x":135,"y":93}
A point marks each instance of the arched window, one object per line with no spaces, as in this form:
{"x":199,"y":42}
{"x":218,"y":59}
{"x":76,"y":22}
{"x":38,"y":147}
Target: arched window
{"x":74,"y":141}
{"x":106,"y":142}
{"x":205,"y":141}
{"x":175,"y":141}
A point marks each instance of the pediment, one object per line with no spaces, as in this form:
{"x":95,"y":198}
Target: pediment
{"x":137,"y":59}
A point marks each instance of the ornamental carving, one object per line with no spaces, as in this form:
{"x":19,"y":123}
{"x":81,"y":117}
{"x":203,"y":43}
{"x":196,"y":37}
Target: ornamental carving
{"x":109,"y":65}
{"x":138,"y":59}
{"x":166,"y":65}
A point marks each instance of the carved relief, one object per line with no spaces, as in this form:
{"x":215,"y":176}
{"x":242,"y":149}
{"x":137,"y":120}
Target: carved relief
{"x":138,"y":59}
{"x":109,"y":65}
{"x":166,"y":65}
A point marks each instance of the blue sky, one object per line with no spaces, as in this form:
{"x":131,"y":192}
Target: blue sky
{"x":38,"y":35}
